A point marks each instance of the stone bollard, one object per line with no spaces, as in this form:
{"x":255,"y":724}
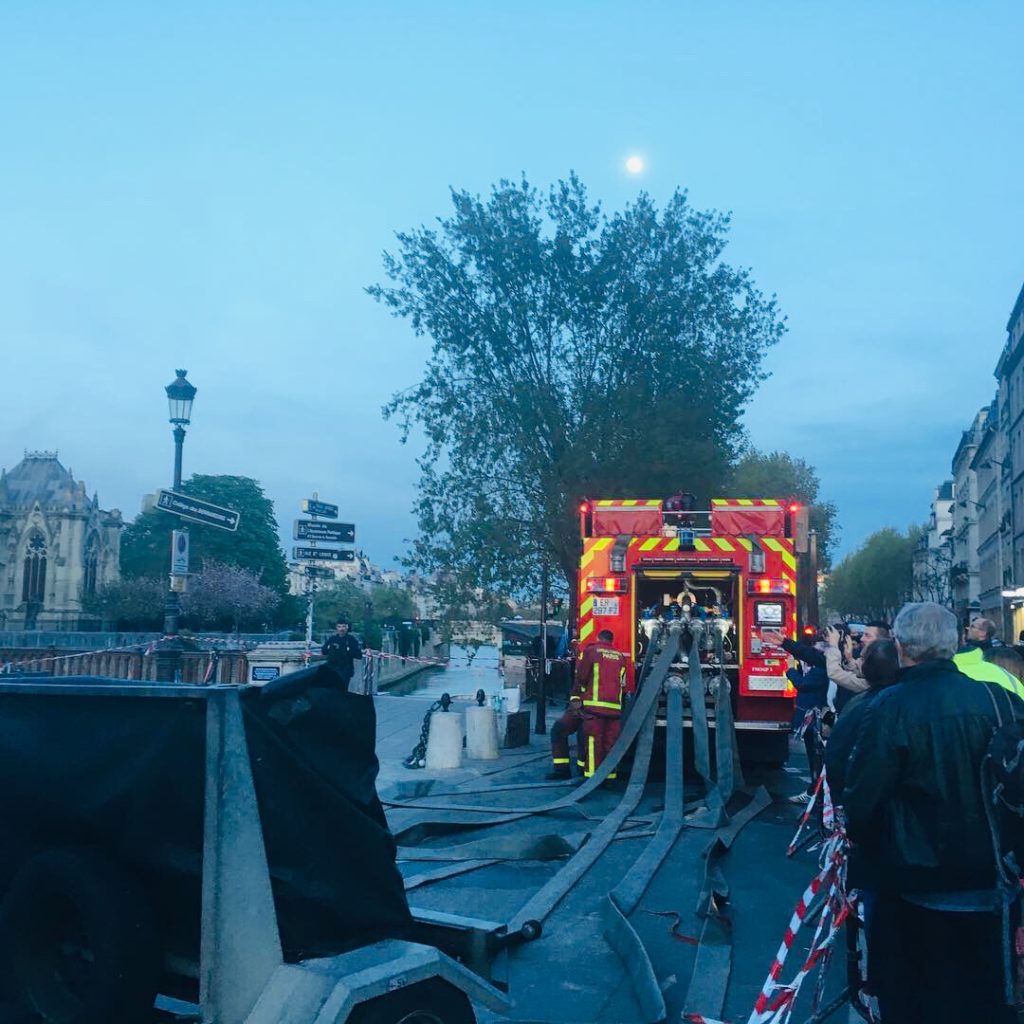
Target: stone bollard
{"x":481,"y":734}
{"x":444,"y":741}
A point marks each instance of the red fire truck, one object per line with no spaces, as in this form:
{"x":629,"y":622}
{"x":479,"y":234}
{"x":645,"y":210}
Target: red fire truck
{"x":734,"y":566}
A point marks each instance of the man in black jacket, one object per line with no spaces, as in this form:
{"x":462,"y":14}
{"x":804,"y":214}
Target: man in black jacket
{"x":914,"y":804}
{"x":341,"y":651}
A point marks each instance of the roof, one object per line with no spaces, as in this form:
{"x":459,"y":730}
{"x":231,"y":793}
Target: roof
{"x":40,"y":477}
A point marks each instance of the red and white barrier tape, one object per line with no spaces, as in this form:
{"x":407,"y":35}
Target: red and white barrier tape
{"x":806,"y":815}
{"x":776,"y":1001}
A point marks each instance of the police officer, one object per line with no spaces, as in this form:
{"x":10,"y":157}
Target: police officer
{"x":601,"y":682}
{"x":341,"y":650}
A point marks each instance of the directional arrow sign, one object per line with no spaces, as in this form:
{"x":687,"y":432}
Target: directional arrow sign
{"x":322,"y":555}
{"x":324,"y":509}
{"x":331,"y":533}
{"x":198,"y":511}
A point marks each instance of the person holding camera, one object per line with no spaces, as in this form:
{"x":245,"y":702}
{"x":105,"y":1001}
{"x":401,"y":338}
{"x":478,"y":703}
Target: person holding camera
{"x":841,"y":658}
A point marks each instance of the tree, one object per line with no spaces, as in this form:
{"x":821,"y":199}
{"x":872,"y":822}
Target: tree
{"x":145,"y":543}
{"x":877,"y":579}
{"x":780,"y":475}
{"x":225,"y":596}
{"x":573,"y":354}
{"x":378,"y":605}
{"x":129,"y":603}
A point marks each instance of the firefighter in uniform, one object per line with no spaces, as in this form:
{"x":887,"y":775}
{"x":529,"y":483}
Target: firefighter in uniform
{"x":569,"y":724}
{"x":601,"y":682}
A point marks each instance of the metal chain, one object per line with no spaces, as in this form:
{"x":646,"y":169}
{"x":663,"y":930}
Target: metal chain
{"x":418,"y":757}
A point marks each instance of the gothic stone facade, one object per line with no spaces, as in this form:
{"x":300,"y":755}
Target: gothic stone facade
{"x":56,"y":545}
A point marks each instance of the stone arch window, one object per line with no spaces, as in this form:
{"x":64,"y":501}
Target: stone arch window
{"x":33,"y":585}
{"x":90,"y":565}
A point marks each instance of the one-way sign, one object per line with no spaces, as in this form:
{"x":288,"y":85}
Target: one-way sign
{"x":331,"y":533}
{"x":198,"y":511}
{"x":322,"y":555}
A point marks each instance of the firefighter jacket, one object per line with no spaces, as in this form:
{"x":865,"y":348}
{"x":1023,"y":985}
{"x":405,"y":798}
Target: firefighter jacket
{"x":601,"y":680}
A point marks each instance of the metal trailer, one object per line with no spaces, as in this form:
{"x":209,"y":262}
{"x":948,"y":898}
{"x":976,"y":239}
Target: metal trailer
{"x":242,"y":976}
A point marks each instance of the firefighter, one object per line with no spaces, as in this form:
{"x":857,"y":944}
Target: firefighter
{"x":601,"y":682}
{"x":571,"y":723}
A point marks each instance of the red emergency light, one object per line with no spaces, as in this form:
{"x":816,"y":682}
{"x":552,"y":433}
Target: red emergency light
{"x":794,"y":507}
{"x":809,"y":631}
{"x":607,"y":585}
{"x":584,"y":508}
{"x":768,"y":586}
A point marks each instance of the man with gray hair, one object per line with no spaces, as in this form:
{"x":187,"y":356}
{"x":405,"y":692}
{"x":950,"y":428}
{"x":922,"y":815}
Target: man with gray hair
{"x":915,"y":807}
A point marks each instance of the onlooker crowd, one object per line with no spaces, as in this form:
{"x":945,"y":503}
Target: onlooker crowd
{"x":927,"y":855}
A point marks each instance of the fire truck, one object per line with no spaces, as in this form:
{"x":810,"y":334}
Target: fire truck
{"x":736,"y":567}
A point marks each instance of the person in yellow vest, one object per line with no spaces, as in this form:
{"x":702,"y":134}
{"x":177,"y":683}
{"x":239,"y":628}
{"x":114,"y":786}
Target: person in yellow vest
{"x":974,"y":663}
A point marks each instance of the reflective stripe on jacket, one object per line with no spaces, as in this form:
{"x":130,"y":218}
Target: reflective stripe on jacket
{"x":601,"y":679}
{"x":973,"y":664}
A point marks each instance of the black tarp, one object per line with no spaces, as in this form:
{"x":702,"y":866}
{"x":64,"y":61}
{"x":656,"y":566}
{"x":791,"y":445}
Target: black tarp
{"x":124,"y":771}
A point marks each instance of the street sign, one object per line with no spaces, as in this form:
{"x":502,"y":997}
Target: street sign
{"x":179,"y":552}
{"x":198,"y":511}
{"x":322,"y":555}
{"x":324,"y":509}
{"x":319,"y":573}
{"x":330,"y":533}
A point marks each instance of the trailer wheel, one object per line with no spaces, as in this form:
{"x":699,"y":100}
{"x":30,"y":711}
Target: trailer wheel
{"x":79,"y":940}
{"x":433,"y":1001}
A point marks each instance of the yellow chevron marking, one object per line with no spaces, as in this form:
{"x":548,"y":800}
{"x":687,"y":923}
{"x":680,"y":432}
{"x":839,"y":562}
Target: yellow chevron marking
{"x":604,"y":502}
{"x":586,"y":606}
{"x":771,"y":501}
{"x":744,"y":501}
{"x":651,"y":544}
{"x":586,"y":629}
{"x":724,"y":543}
{"x":773,"y":543}
{"x":629,"y":502}
{"x":700,"y":545}
{"x":743,"y":542}
{"x":673,"y":544}
{"x":603,"y":542}
{"x":719,"y":501}
{"x":633,"y":540}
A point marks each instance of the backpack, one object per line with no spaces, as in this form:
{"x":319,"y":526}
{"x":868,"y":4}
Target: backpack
{"x":1003,"y":764}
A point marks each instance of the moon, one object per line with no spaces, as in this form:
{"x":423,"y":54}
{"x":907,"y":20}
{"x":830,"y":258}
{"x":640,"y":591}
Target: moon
{"x":634,"y":164}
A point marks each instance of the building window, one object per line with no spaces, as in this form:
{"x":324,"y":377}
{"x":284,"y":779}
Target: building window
{"x":33,"y":586}
{"x":90,"y":566}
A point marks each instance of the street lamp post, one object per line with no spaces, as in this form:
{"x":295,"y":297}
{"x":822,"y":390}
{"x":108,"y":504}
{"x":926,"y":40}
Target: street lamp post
{"x":180,"y":395}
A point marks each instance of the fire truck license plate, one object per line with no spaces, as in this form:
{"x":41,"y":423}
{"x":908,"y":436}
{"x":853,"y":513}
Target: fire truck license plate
{"x":606,"y":606}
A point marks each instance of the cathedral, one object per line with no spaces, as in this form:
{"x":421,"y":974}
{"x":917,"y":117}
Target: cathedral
{"x":56,"y":546}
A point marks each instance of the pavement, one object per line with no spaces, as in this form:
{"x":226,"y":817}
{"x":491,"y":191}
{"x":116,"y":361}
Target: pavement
{"x":572,"y":974}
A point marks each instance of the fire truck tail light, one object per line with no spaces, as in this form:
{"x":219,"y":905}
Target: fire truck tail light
{"x":584,"y":507}
{"x":794,"y":507}
{"x":607,"y":585}
{"x":768,"y":586}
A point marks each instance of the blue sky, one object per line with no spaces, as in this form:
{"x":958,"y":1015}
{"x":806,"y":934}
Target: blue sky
{"x":212,"y":188}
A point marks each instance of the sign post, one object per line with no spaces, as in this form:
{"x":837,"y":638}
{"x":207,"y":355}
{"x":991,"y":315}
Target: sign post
{"x":315,"y":532}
